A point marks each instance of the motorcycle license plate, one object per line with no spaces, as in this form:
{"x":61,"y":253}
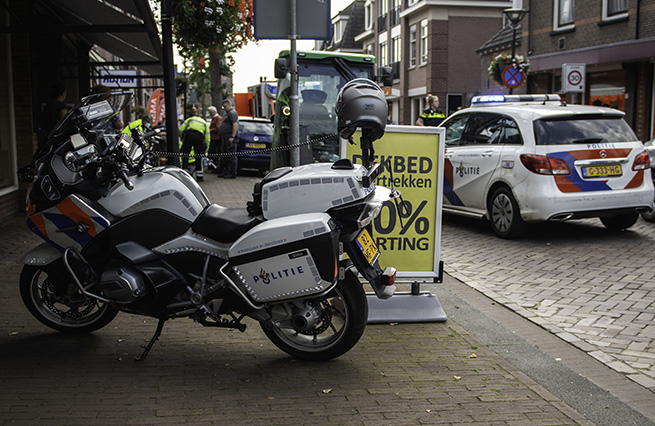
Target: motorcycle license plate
{"x":602,"y":171}
{"x":255,"y":145}
{"x":367,"y":246}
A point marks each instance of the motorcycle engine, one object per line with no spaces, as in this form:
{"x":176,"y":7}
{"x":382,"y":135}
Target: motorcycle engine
{"x":122,"y":284}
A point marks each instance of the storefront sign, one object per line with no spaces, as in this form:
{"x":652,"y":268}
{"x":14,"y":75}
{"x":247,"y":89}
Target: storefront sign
{"x":408,"y":239}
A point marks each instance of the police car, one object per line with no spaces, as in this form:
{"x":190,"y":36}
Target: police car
{"x":518,"y":159}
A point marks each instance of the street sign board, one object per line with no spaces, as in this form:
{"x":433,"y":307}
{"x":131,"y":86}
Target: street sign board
{"x":512,"y":77}
{"x":118,"y":78}
{"x":273,"y":19}
{"x":573,"y":77}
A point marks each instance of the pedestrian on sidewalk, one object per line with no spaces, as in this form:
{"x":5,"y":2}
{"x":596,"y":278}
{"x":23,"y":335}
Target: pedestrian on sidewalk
{"x":215,"y":139}
{"x":195,"y":134}
{"x":229,"y":130}
{"x":432,"y":115}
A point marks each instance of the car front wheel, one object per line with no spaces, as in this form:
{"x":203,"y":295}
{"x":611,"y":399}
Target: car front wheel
{"x":505,"y":216}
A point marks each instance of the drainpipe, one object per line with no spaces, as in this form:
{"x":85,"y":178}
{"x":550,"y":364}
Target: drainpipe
{"x":637,"y":18}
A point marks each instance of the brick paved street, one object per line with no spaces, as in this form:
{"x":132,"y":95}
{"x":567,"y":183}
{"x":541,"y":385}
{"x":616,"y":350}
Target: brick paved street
{"x":591,"y":287}
{"x":403,"y":374}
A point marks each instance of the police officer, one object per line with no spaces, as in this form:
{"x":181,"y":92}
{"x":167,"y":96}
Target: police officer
{"x":140,"y":124}
{"x":195,"y":134}
{"x":432,"y":115}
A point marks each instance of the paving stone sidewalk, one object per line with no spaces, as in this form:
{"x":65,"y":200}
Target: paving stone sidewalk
{"x":405,"y":374}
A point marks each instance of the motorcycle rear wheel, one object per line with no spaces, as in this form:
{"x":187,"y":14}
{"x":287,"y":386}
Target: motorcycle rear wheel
{"x":67,"y":311}
{"x":344,"y":312}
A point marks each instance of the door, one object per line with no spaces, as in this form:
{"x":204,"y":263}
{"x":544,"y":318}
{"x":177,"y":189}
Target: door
{"x":476,"y":158}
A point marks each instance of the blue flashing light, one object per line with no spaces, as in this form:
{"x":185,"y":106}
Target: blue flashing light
{"x":487,"y":99}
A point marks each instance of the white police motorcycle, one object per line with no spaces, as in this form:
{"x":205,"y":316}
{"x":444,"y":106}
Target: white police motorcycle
{"x":123,"y":236}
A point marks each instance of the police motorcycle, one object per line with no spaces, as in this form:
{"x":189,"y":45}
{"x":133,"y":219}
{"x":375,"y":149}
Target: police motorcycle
{"x":124,"y":236}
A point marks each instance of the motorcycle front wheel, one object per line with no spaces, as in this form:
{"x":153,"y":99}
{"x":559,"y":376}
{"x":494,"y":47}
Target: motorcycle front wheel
{"x":62,"y":306}
{"x":341,"y":320}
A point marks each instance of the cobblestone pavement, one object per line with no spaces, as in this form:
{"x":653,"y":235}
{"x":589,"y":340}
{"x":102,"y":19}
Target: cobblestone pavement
{"x":404,"y":374}
{"x":589,"y":286}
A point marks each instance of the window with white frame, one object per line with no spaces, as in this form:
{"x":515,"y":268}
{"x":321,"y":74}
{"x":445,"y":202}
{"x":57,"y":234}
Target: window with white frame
{"x":613,"y":9}
{"x":412,"y":46}
{"x":396,"y":49}
{"x":339,"y":28}
{"x":368,"y":15}
{"x":384,"y":7}
{"x":424,"y":42}
{"x":383,"y":53}
{"x":564,"y":14}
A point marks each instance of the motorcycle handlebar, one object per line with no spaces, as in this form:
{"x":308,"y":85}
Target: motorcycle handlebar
{"x":126,"y":181}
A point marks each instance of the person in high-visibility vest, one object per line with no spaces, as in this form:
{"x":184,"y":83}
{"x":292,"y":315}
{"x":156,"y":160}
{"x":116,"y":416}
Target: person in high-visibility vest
{"x":140,"y":125}
{"x":194,"y":133}
{"x":432,"y":115}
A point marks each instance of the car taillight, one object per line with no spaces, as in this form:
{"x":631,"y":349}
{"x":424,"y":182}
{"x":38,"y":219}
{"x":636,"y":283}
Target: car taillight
{"x":642,"y":161}
{"x":544,"y":165}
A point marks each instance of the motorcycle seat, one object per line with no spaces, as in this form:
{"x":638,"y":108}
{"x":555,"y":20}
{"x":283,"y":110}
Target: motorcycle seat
{"x":224,"y":224}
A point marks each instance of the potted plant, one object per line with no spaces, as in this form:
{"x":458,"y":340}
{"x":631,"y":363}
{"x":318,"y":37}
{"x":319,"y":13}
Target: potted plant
{"x":500,"y":61}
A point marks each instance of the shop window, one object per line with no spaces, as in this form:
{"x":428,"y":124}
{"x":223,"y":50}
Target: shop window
{"x":7,"y":136}
{"x":607,"y":89}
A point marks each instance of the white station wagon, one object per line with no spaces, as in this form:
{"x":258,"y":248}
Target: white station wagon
{"x":517,"y":159}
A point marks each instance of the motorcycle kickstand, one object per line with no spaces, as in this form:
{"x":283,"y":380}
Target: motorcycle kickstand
{"x":151,"y":343}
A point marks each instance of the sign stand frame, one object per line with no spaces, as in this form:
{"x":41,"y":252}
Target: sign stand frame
{"x":414,"y":306}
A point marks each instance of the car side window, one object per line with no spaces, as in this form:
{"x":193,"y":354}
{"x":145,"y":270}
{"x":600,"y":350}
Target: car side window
{"x":455,"y":129}
{"x":512,"y":134}
{"x":484,"y":129}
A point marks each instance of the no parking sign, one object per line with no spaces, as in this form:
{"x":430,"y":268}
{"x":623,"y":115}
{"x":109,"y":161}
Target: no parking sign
{"x":573,"y":77}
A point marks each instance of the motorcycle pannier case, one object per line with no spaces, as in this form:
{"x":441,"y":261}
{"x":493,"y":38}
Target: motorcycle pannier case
{"x":287,"y":257}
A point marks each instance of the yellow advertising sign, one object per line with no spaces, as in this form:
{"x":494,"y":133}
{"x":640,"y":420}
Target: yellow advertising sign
{"x":408,"y":237}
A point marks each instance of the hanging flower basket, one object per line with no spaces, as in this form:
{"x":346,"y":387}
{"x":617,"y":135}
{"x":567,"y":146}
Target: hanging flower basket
{"x":499,"y":62}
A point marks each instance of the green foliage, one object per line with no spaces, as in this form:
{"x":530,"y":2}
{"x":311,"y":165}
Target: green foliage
{"x":201,"y":25}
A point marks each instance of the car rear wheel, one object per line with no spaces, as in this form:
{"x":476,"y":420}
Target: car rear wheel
{"x":620,"y":221}
{"x":648,"y":216}
{"x":505,"y":216}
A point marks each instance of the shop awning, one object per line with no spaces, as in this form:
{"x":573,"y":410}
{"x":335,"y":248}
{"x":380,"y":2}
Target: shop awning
{"x":124,"y":28}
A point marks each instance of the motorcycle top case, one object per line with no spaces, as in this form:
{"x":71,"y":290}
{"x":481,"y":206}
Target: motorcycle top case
{"x":287,"y":257}
{"x":311,"y":188}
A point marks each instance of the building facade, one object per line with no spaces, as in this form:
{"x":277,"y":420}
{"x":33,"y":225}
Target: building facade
{"x":613,"y":39}
{"x":431,"y":47}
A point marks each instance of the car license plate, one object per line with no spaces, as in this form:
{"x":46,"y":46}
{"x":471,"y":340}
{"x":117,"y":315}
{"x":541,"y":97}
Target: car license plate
{"x":602,"y":171}
{"x":255,"y":145}
{"x":367,"y":246}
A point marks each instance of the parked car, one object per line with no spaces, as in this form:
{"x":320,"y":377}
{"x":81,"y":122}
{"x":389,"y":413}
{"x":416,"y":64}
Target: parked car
{"x":519,"y":159}
{"x":255,"y":134}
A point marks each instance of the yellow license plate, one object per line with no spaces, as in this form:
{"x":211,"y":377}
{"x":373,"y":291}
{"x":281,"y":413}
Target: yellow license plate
{"x":255,"y":145}
{"x":367,"y":246}
{"x":602,"y":171}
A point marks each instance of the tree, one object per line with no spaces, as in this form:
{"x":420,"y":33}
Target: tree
{"x":213,"y":29}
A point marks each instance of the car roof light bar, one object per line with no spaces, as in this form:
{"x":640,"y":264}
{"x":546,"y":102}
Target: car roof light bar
{"x":487,"y":99}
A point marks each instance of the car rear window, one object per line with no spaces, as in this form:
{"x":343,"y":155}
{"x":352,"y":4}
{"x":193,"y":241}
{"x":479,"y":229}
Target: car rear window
{"x":582,"y":130}
{"x":252,"y":128}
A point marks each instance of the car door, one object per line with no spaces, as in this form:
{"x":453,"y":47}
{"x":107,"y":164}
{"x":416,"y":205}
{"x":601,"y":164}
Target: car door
{"x":476,"y":159}
{"x":454,"y":132}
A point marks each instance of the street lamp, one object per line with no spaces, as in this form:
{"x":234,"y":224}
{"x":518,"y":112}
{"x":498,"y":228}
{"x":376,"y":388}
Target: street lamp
{"x":515,"y":17}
